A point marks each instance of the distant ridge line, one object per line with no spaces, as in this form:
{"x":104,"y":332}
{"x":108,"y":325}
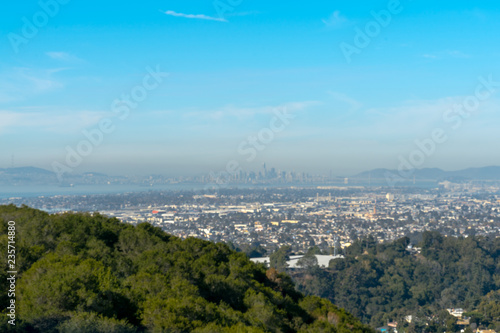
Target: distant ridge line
{"x":476,"y":173}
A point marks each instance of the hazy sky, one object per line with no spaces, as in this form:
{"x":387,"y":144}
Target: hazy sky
{"x":359,"y":80}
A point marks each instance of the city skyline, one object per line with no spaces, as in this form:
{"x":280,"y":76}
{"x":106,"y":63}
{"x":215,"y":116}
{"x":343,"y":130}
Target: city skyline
{"x":211,"y":84}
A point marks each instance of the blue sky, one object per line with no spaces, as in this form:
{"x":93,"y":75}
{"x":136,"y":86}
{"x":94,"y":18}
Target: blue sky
{"x":230,"y":70}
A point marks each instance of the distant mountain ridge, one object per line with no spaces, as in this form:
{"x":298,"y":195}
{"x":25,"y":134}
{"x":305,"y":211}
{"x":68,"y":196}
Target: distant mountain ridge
{"x":25,"y":170}
{"x":482,"y":173}
{"x":27,"y":176}
{"x":37,"y":176}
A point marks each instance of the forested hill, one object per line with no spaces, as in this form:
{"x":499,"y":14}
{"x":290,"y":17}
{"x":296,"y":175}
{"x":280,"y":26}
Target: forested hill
{"x":388,"y":282}
{"x":90,"y":273}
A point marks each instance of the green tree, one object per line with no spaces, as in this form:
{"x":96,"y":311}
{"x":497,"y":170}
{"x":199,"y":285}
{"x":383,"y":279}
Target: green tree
{"x":279,"y":258}
{"x":309,"y":260}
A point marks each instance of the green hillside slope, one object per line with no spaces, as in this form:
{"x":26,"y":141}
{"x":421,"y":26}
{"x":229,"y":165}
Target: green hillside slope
{"x":389,"y":282}
{"x":90,"y":273}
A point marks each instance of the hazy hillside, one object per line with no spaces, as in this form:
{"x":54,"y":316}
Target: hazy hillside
{"x":484,"y":173}
{"x":83,"y":273}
